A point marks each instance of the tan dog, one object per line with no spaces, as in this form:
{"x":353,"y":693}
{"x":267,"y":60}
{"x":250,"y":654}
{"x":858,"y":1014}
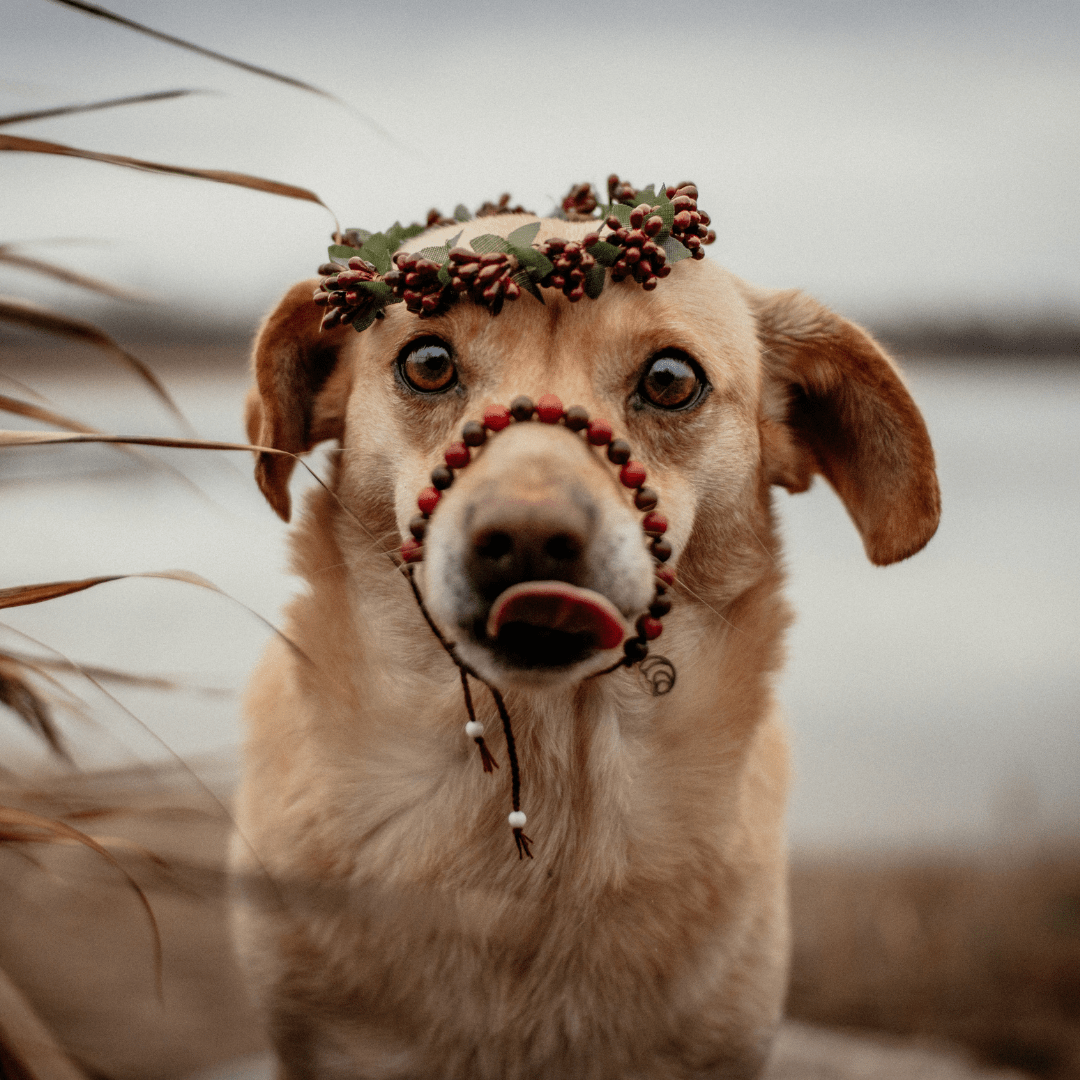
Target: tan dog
{"x":648,"y":937}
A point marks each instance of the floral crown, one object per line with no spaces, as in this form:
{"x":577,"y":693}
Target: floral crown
{"x":649,"y":231}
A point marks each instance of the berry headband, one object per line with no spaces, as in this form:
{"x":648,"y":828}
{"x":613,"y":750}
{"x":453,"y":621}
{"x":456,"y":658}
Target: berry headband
{"x":650,"y":231}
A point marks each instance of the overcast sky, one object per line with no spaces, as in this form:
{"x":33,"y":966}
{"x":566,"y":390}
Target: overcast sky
{"x":895,"y":159}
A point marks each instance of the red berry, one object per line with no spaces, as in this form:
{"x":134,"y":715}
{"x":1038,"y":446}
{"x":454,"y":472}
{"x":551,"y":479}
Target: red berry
{"x":600,"y":432}
{"x":429,"y":499}
{"x":412,"y":550}
{"x":549,"y":409}
{"x":457,"y":455}
{"x":632,"y":474}
{"x":496,"y":417}
{"x":654,"y":523}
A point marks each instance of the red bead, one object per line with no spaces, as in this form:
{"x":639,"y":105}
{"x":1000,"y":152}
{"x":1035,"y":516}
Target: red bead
{"x":457,"y":456}
{"x":654,"y":523}
{"x":429,"y":499}
{"x":632,"y":474}
{"x":496,"y":417}
{"x":412,"y":550}
{"x":600,"y":432}
{"x":550,"y":409}
{"x":665,"y":574}
{"x":650,"y":627}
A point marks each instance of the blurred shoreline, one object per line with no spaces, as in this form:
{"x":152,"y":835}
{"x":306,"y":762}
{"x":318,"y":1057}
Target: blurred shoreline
{"x":957,"y":337}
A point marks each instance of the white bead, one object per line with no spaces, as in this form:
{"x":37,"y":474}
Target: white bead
{"x":474,"y":729}
{"x":517,"y":820}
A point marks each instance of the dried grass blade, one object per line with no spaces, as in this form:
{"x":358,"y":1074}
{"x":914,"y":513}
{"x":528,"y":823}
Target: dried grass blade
{"x":46,"y":416}
{"x":27,"y":704}
{"x":66,"y":110}
{"x":219,"y":176}
{"x":103,"y":13}
{"x":243,"y":65}
{"x":70,"y":277}
{"x":22,"y":826}
{"x":28,"y":1049}
{"x":22,"y":595}
{"x":44,"y":438}
{"x":42,"y":665}
{"x":47,"y":438}
{"x":25,"y":313}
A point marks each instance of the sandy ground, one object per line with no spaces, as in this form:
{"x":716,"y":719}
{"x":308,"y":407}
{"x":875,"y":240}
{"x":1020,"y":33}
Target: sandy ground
{"x":78,"y":945}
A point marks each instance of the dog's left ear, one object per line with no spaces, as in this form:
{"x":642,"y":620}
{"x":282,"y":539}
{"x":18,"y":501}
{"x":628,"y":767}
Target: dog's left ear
{"x":839,"y":407}
{"x":300,"y":390}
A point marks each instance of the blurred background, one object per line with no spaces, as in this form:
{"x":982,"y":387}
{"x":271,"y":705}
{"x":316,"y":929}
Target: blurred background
{"x":915,"y":165}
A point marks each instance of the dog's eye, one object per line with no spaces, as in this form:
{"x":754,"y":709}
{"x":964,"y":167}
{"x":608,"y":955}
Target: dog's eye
{"x":427,"y":366}
{"x":670,"y":382}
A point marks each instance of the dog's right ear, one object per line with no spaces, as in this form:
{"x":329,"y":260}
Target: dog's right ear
{"x":300,"y":390}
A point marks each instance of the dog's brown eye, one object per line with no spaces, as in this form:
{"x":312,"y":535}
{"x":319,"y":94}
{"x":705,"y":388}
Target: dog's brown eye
{"x":428,"y":367}
{"x":670,"y":382}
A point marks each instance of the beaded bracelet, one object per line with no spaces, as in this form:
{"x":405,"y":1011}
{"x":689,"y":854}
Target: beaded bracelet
{"x":658,"y":672}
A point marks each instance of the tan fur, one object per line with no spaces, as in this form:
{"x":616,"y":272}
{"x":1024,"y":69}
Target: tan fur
{"x":648,"y":938}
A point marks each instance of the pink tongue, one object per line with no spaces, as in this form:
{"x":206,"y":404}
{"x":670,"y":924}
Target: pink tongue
{"x":558,"y":606}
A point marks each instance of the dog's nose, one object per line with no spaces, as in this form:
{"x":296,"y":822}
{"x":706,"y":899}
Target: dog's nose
{"x":544,"y":538}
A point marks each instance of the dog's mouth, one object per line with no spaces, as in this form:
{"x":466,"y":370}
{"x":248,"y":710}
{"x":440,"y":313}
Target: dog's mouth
{"x":551,"y":624}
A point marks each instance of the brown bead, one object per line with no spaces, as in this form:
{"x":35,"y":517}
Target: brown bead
{"x":473,"y":434}
{"x":635,"y":649}
{"x":659,"y":608}
{"x":418,"y":526}
{"x":661,"y":549}
{"x":522,"y":408}
{"x":441,"y":477}
{"x":646,"y":499}
{"x":577,"y":418}
{"x":619,"y":451}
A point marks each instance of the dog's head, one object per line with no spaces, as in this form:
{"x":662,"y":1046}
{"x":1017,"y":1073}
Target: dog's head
{"x":721,"y":389}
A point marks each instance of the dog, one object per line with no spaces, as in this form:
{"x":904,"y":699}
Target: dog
{"x":646,"y":936}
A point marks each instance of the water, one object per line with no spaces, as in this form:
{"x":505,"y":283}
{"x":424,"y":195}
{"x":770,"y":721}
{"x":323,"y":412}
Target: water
{"x":931,"y":702}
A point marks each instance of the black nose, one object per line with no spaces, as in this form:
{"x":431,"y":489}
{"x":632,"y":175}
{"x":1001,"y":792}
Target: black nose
{"x":515,"y":540}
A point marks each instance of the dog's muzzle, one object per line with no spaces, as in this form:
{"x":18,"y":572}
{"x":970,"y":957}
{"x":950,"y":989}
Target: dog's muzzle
{"x":534,"y":558}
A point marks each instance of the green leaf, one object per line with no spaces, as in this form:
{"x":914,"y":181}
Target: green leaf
{"x":441,"y":252}
{"x":524,"y":236}
{"x":537,"y":264}
{"x":444,"y":276}
{"x":397,"y":234}
{"x":621,"y":211}
{"x":461,"y":213}
{"x":604,"y":253}
{"x":376,"y":250}
{"x":595,"y":279}
{"x":646,"y":195}
{"x":489,"y":242}
{"x":675,"y":251}
{"x":378,"y":289}
{"x":526,"y":281}
{"x":365,"y":319}
{"x":339,"y":252}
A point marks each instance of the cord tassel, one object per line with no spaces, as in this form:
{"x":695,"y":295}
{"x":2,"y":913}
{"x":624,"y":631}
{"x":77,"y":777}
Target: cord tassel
{"x":474,"y":725}
{"x":517,"y":818}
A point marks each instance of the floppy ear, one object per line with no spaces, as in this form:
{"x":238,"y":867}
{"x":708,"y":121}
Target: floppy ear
{"x":300,"y":389}
{"x":839,"y":407}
